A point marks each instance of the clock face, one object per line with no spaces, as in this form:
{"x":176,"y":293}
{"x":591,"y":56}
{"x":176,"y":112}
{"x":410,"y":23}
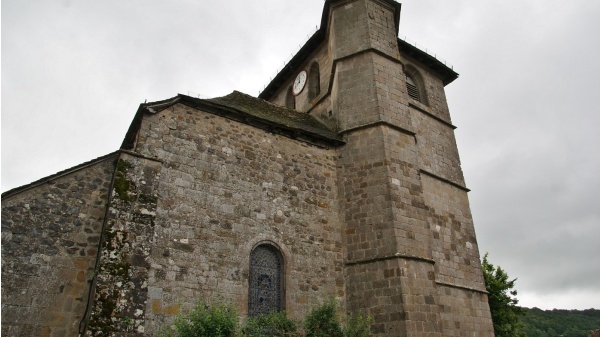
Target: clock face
{"x":299,"y":83}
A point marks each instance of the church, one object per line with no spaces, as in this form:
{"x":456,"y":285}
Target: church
{"x":341,"y":180}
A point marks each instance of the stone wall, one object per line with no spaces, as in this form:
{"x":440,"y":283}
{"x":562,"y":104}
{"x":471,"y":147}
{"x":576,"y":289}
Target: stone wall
{"x":461,"y":292}
{"x":225,"y":187}
{"x":398,"y":293}
{"x":121,"y":285}
{"x":361,"y":25}
{"x":365,"y":200}
{"x":50,"y":235}
{"x":464,"y":312}
{"x":358,"y":105}
{"x":454,"y":248}
{"x":436,"y":103}
{"x":303,"y":102}
{"x":438,"y":153}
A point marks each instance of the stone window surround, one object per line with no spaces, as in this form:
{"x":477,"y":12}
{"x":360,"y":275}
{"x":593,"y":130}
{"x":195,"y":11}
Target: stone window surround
{"x":418,"y":84}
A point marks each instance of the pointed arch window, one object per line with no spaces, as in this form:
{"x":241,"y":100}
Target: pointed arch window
{"x":266,"y":281}
{"x":290,"y":99}
{"x":314,"y":81}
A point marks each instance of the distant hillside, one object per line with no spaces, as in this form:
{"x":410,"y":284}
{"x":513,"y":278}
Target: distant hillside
{"x":560,"y":323}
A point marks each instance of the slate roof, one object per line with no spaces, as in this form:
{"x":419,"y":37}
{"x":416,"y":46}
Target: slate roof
{"x":281,"y":116}
{"x":245,"y":109}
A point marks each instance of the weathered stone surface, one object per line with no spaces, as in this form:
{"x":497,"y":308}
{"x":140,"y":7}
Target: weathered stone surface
{"x":122,"y":277}
{"x":50,"y":236}
{"x":225,"y":187}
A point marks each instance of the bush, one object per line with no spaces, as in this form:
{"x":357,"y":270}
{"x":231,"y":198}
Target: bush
{"x":274,"y":324}
{"x":358,"y":326}
{"x":323,"y":322}
{"x":218,"y":320}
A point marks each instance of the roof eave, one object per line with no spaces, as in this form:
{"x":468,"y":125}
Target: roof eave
{"x":447,"y":74}
{"x":296,"y":61}
{"x":217,"y":109}
{"x":235,"y":114}
{"x":144,"y":108}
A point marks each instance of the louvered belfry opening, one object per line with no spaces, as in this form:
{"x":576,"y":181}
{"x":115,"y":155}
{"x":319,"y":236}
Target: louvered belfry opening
{"x":413,"y":90}
{"x":266,"y":284}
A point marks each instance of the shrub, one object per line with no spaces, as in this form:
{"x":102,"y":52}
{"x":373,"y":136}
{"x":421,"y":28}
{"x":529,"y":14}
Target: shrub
{"x":271,"y":325}
{"x":220,"y":320}
{"x":217,"y":320}
{"x":323,"y":322}
{"x":357,"y":326}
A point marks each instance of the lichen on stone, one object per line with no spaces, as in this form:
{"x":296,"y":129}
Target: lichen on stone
{"x":122,"y":185}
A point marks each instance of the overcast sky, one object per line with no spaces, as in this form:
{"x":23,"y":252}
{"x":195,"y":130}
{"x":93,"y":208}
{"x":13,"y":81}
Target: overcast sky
{"x":526,"y":103}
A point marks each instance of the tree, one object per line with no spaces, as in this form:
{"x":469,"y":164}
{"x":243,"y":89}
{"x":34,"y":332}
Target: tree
{"x":503,"y":302}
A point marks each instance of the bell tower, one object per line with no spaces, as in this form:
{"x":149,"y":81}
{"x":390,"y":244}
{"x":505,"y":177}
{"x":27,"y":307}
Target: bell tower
{"x":389,"y":265}
{"x":411,"y":258}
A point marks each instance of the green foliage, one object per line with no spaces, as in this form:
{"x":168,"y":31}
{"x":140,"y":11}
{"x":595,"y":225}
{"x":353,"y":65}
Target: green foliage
{"x":566,"y":323}
{"x":503,"y":302}
{"x":273,"y":324}
{"x":357,"y":326}
{"x":323,"y":322}
{"x":220,"y":320}
{"x":217,"y":320}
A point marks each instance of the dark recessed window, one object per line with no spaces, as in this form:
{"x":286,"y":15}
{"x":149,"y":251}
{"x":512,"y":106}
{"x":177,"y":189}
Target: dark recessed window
{"x":314,"y":81}
{"x":290,"y":99}
{"x":266,"y":281}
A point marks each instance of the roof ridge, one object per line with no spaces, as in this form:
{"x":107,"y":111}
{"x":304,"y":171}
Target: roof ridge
{"x":276,"y":106}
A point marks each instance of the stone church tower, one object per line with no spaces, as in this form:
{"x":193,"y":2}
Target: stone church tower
{"x":341,"y":180}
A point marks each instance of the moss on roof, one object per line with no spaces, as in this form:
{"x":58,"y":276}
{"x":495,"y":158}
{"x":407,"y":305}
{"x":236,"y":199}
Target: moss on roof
{"x":266,"y":111}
